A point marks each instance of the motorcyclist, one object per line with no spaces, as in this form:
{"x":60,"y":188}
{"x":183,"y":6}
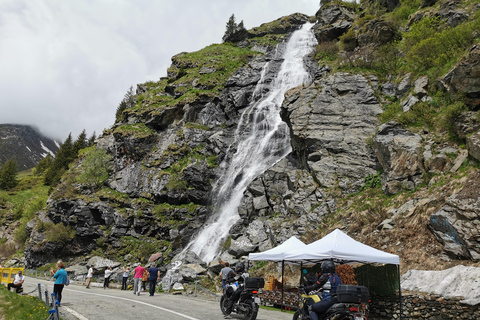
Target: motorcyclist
{"x":234,"y":295}
{"x":328,"y":281}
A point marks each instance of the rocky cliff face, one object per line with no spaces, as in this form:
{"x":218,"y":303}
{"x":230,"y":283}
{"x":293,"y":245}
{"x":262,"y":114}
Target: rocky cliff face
{"x":166,"y":153}
{"x":25,"y":145}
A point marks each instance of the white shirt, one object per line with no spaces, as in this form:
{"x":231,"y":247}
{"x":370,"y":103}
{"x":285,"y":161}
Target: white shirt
{"x":108,"y":272}
{"x":125,"y":274}
{"x":18,"y":278}
{"x":90,"y":273}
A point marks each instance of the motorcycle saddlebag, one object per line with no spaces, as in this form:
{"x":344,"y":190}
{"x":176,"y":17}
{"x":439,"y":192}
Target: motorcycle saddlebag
{"x":254,"y":283}
{"x":352,"y":294}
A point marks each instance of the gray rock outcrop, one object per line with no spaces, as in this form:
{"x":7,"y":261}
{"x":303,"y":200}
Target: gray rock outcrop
{"x":400,"y":154}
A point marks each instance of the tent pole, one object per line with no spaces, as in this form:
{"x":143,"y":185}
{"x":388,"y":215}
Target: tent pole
{"x":283,"y":279}
{"x":301,"y":267}
{"x":400,"y":293}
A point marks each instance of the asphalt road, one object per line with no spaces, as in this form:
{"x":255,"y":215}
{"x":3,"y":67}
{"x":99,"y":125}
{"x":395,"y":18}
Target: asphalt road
{"x":79,"y":303}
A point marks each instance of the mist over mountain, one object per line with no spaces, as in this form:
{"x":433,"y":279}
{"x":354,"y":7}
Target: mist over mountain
{"x":24,"y":144}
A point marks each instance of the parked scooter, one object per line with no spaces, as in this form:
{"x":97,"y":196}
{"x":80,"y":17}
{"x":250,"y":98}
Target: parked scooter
{"x":352,"y":304}
{"x":243,"y":295}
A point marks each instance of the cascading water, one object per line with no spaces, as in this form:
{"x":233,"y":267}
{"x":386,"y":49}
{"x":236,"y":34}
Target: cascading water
{"x":261,"y":140}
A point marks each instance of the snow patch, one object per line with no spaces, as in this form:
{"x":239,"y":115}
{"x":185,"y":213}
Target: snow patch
{"x":459,"y":281}
{"x":46,"y":149}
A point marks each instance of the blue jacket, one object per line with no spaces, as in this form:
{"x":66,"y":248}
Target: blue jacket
{"x":60,"y":276}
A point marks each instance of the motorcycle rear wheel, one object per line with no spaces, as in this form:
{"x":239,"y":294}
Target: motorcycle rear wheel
{"x":252,"y":310}
{"x":223,"y":304}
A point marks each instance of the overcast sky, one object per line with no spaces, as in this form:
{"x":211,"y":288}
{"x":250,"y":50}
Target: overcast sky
{"x":66,"y":64}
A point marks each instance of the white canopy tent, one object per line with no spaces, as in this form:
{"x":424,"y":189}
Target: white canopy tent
{"x":338,"y":246}
{"x":278,"y":253}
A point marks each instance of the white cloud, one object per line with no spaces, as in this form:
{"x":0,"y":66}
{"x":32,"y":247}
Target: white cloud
{"x":67,"y":64}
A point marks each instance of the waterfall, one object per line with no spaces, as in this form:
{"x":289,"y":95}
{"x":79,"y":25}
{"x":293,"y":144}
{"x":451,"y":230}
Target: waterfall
{"x":261,"y":140}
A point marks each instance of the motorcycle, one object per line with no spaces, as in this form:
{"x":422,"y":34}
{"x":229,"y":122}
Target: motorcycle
{"x":356,"y":310}
{"x":243,"y":295}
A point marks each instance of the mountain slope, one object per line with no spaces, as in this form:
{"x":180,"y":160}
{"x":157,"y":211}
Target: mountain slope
{"x":382,"y":147}
{"x":24,"y":144}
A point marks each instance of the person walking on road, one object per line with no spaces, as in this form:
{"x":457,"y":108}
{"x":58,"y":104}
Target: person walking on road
{"x":137,"y":279}
{"x":154,"y":276}
{"x":89,"y":276}
{"x":126,"y":272}
{"x":60,"y":279}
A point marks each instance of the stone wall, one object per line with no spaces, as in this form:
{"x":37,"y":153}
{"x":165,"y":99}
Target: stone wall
{"x":422,"y":306}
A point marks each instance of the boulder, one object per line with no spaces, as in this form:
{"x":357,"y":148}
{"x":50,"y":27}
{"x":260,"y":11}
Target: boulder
{"x":376,"y":32}
{"x":400,"y":153}
{"x":466,"y":124}
{"x":190,"y":272}
{"x":464,"y":79}
{"x":100,"y":263}
{"x":473,"y":145}
{"x":455,"y":225}
{"x":332,"y":21}
{"x":241,"y":246}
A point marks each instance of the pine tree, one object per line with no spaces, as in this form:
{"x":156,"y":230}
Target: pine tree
{"x":231,"y":27}
{"x":92,"y":139}
{"x":63,"y":158}
{"x":8,"y":175}
{"x":234,"y":33}
{"x":127,"y":102}
{"x":80,"y":143}
{"x":44,"y":164}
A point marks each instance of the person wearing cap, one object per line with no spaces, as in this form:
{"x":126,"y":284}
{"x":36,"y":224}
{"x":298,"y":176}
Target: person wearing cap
{"x":17,"y":282}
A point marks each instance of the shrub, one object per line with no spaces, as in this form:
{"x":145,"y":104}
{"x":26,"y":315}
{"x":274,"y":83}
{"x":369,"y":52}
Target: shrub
{"x":58,"y":233}
{"x":327,"y":51}
{"x":95,"y":168}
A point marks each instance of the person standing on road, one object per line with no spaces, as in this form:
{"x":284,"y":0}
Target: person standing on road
{"x":106,"y":282}
{"x":60,"y":279}
{"x":126,"y":272}
{"x":154,"y":276}
{"x":137,"y":279}
{"x":144,"y":281}
{"x":89,"y":276}
{"x":224,"y":273}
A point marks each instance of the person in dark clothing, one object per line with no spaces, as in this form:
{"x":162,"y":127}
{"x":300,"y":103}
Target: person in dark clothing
{"x":233,"y":296}
{"x":328,"y":281}
{"x":152,"y":280}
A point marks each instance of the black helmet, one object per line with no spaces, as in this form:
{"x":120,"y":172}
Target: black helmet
{"x":328,"y":267}
{"x":239,"y":267}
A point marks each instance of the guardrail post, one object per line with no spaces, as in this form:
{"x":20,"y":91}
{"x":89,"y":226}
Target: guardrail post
{"x":40,"y":291}
{"x":46,"y":299}
{"x":57,"y":315}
